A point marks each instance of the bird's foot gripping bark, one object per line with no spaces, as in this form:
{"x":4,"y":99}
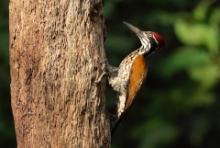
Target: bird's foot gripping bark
{"x":107,"y":70}
{"x":104,"y":72}
{"x":100,"y":77}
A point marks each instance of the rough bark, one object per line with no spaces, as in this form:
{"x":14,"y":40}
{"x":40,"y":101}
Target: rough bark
{"x":56,"y":51}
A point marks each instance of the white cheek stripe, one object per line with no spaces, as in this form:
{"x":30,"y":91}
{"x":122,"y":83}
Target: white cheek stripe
{"x":155,"y":40}
{"x":145,"y":45}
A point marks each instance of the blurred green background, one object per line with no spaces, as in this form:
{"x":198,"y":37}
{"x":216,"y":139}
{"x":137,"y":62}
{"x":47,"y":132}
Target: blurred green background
{"x":179,"y":106}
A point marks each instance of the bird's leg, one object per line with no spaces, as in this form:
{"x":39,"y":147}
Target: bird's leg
{"x":107,"y":70}
{"x":104,"y":72}
{"x":100,"y":77}
{"x":111,"y":69}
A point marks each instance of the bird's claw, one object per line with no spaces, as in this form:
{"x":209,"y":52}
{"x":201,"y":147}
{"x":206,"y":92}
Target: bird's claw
{"x":104,"y":73}
{"x":100,"y":77}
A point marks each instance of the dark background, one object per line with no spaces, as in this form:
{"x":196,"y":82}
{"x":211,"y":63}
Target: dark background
{"x":179,"y":105}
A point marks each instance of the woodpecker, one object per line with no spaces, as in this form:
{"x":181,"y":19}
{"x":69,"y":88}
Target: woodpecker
{"x":128,"y":78}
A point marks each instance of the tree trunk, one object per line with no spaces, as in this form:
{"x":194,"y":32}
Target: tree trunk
{"x":56,"y":51}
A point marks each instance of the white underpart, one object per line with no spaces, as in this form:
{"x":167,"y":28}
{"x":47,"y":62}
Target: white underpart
{"x":121,"y":104}
{"x":119,"y":82}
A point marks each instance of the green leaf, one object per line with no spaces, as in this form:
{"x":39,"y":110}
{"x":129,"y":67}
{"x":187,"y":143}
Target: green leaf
{"x":197,"y":34}
{"x":183,"y":59}
{"x":215,"y":17}
{"x":201,"y":10}
{"x":212,"y":41}
{"x":191,"y":33}
{"x":186,"y":100}
{"x":201,"y":98}
{"x":207,"y":75}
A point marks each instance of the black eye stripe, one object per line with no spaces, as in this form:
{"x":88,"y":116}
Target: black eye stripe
{"x":154,"y":42}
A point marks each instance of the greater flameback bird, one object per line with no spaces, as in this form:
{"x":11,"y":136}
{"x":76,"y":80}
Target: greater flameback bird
{"x":128,"y":78}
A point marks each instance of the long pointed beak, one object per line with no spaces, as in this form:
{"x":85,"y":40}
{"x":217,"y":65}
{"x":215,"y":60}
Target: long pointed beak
{"x":134,"y":29}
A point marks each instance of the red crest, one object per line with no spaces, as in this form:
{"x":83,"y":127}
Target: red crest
{"x":159,"y":39}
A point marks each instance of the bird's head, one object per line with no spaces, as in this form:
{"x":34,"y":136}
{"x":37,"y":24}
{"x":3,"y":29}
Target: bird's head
{"x":151,"y":41}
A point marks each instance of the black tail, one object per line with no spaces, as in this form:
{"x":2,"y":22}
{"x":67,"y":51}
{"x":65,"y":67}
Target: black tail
{"x":115,"y":125}
{"x":114,"y":120}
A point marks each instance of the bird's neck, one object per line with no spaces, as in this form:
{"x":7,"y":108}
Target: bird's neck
{"x":145,"y":51}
